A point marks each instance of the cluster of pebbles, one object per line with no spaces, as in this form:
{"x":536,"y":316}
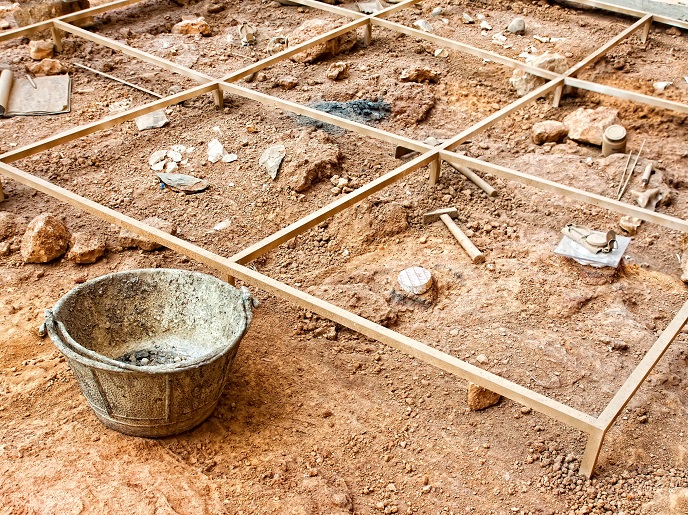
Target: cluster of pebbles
{"x":143,"y":358}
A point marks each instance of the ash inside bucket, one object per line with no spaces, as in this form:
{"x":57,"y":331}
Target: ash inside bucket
{"x":146,"y":358}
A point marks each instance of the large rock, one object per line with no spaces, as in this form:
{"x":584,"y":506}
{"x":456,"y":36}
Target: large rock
{"x":411,"y":103}
{"x":40,"y":50}
{"x":86,"y":249}
{"x":45,"y":239}
{"x":128,"y":239}
{"x":524,"y":82}
{"x":313,"y":28}
{"x":192,"y":27}
{"x":588,"y":125}
{"x":11,"y":225}
{"x":313,"y":156}
{"x":46,"y":67}
{"x":549,"y":131}
{"x":517,"y":26}
{"x":481,"y":398}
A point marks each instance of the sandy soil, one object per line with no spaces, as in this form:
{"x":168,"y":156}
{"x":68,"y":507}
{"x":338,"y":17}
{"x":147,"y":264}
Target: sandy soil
{"x":309,"y":424}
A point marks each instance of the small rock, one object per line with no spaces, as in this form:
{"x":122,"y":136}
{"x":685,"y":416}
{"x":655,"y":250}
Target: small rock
{"x":517,"y":26}
{"x":437,"y":11}
{"x":549,"y":131}
{"x":5,"y":248}
{"x":272,"y":159}
{"x":630,"y":224}
{"x":287,"y":82}
{"x":215,"y":150}
{"x":588,"y":125}
{"x":419,"y":74}
{"x":315,"y":155}
{"x":480,"y":398}
{"x":4,"y":24}
{"x":153,"y":120}
{"x":45,"y":239}
{"x":673,"y":31}
{"x":467,"y":19}
{"x":46,"y":67}
{"x":157,"y":157}
{"x":40,"y":50}
{"x":482,"y":359}
{"x":338,"y":70}
{"x":183,"y":183}
{"x":661,"y":86}
{"x":192,"y":27}
{"x":128,"y":239}
{"x":485,"y":26}
{"x":423,"y":25}
{"x":276,"y":45}
{"x":86,"y":249}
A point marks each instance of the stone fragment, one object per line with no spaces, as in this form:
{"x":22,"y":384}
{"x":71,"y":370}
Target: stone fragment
{"x":659,"y":87}
{"x":313,"y":28}
{"x":40,"y":49}
{"x":192,"y":27}
{"x":272,"y":159}
{"x":11,"y":225}
{"x":5,"y":248}
{"x":423,"y":25}
{"x":153,"y":120}
{"x":157,"y":157}
{"x":46,"y":67}
{"x":411,"y":103}
{"x":467,"y":19}
{"x":588,"y":125}
{"x":673,"y":31}
{"x":128,"y":239}
{"x":517,"y":26}
{"x":85,"y":249}
{"x":338,"y":71}
{"x":215,"y":150}
{"x":630,"y":224}
{"x":215,"y":8}
{"x":419,"y":74}
{"x":276,"y":45}
{"x":315,"y":156}
{"x":524,"y":82}
{"x":485,"y":26}
{"x":287,"y":82}
{"x":45,"y":239}
{"x":181,"y":182}
{"x":480,"y":398}
{"x":549,"y":131}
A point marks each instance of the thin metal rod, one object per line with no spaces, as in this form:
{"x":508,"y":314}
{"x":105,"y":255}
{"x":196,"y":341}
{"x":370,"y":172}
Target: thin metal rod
{"x":153,"y":93}
{"x":630,"y":172}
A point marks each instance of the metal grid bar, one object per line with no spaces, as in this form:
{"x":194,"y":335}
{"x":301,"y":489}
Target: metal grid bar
{"x":596,"y":427}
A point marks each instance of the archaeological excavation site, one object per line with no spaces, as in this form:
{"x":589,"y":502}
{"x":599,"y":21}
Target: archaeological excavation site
{"x":331,"y":257}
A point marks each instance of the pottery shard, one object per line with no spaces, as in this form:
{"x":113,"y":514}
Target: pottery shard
{"x":316,"y":27}
{"x":549,"y":131}
{"x":411,"y":103}
{"x":588,"y":125}
{"x":128,"y":239}
{"x":481,"y":398}
{"x":192,"y":27}
{"x":314,"y":156}
{"x":45,"y":239}
{"x":11,"y":225}
{"x":40,"y":49}
{"x":86,"y":249}
{"x":524,"y":82}
{"x":46,"y":67}
{"x":419,"y":74}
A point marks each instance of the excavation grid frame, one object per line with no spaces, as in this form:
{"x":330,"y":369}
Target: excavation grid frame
{"x":231,"y":268}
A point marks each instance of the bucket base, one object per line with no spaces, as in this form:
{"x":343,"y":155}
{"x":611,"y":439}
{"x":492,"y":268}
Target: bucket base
{"x":154,"y":428}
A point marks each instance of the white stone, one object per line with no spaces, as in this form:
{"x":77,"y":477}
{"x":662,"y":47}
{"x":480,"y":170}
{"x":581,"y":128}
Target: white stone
{"x":157,"y":156}
{"x":215,"y":150}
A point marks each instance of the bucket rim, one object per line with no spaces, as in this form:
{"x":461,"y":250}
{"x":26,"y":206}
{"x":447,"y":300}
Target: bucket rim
{"x":73,"y":350}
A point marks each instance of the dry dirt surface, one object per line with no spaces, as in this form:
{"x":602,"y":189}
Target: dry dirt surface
{"x":316,"y":419}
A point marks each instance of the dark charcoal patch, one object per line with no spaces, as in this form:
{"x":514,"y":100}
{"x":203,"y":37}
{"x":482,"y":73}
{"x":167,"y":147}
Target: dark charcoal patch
{"x":362,"y":111}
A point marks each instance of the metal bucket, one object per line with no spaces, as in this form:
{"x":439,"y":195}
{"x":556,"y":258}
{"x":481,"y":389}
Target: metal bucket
{"x":151,"y":349}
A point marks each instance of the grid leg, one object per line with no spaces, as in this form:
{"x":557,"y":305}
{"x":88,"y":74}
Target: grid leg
{"x":592,"y":452}
{"x":219,"y":99}
{"x":57,"y":38}
{"x":646,"y":32}
{"x":558,"y":93}
{"x":367,"y":34}
{"x":434,"y":172}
